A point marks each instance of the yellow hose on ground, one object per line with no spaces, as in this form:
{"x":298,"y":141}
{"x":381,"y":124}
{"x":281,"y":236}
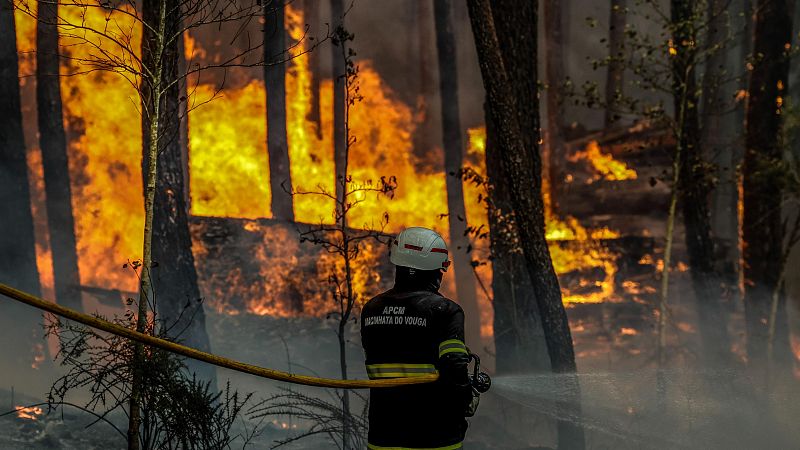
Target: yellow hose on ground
{"x":189,"y":352}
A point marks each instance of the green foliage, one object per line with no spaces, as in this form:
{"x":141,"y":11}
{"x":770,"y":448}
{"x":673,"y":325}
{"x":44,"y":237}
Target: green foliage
{"x":178,"y":410}
{"x":648,"y":55}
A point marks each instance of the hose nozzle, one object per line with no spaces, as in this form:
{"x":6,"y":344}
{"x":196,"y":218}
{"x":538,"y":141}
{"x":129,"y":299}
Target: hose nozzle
{"x":480,"y":381}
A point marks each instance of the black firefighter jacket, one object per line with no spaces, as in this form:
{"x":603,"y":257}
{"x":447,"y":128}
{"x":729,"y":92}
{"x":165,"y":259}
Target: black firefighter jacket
{"x":408,"y":331}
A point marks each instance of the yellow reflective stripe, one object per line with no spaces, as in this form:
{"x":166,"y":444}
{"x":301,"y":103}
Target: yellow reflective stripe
{"x":450,"y":346}
{"x":447,"y":447}
{"x":399,"y":370}
{"x":452,"y":350}
{"x":410,"y":366}
{"x":373,"y":376}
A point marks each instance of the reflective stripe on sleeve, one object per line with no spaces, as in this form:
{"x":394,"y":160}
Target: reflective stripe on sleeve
{"x":452,"y":346}
{"x":399,"y":370}
{"x":447,"y":447}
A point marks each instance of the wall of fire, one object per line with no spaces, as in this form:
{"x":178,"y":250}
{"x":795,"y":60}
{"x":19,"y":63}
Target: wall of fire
{"x":249,"y":264}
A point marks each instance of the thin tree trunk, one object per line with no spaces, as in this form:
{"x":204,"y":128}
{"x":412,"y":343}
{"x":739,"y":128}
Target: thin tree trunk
{"x":53,"y":142}
{"x":453,"y":157}
{"x":183,"y":142}
{"x":522,"y":165}
{"x":661,"y":355}
{"x":177,"y":297}
{"x":339,"y":99}
{"x":280,"y":179}
{"x":425,"y":134}
{"x":616,"y":64}
{"x":17,"y":240}
{"x":154,"y":15}
{"x":554,"y":96}
{"x":745,"y":45}
{"x":695,"y":188}
{"x":311,"y":14}
{"x":348,"y":302}
{"x":762,"y":222}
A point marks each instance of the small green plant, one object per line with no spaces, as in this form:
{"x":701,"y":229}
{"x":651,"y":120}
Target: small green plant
{"x":177,"y":409}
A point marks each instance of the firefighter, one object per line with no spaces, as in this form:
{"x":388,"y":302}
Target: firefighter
{"x":412,"y":330}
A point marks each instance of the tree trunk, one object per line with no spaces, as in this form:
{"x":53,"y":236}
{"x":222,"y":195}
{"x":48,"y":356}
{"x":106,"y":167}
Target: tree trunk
{"x":720,"y":148}
{"x":154,"y":17}
{"x":519,"y":338}
{"x":554,"y":96}
{"x":522,"y":166}
{"x":339,"y":99}
{"x":616,"y":63}
{"x":183,"y":142}
{"x":453,"y":157}
{"x":280,"y":180}
{"x":53,"y":142}
{"x":695,"y":188}
{"x":177,"y":296}
{"x":518,"y":335}
{"x":425,"y":133}
{"x":311,"y":14}
{"x":17,"y":242}
{"x":762,"y":229}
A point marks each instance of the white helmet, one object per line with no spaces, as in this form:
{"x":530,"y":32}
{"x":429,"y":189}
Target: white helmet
{"x":420,"y":248}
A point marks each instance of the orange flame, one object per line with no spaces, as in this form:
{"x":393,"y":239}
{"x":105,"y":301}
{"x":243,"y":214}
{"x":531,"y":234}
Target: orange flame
{"x":28,"y":412}
{"x":230,"y":173}
{"x":583,"y":251}
{"x":604,"y":164}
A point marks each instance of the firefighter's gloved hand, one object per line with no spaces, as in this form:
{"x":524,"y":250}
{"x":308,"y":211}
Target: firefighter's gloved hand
{"x":454,"y":374}
{"x":472,"y":408}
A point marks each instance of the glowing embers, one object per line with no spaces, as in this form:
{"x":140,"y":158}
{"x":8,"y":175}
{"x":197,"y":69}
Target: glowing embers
{"x":260,"y":267}
{"x":28,"y":412}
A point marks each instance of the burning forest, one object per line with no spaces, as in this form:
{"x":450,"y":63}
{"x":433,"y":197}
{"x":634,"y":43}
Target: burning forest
{"x":200,"y":200}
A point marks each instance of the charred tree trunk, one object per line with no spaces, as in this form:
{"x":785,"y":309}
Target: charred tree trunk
{"x":53,"y":142}
{"x":17,"y":241}
{"x":280,"y":179}
{"x":518,"y":335}
{"x":522,"y":166}
{"x":183,"y":141}
{"x":519,"y":339}
{"x":425,"y":135}
{"x":174,"y":278}
{"x":554,"y":96}
{"x":339,"y":99}
{"x":694,"y":186}
{"x":311,"y":14}
{"x":762,"y":227}
{"x":616,"y":63}
{"x":745,"y":44}
{"x":719,"y":148}
{"x":453,"y":157}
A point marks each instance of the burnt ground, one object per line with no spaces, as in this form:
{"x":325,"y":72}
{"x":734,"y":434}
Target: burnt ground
{"x":618,"y":389}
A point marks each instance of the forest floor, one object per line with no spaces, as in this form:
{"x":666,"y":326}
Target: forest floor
{"x":618,"y":380}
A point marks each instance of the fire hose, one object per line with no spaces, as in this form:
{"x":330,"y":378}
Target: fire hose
{"x":216,"y":360}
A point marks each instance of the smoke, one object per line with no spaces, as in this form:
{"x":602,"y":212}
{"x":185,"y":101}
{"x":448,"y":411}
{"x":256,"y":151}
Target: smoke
{"x":719,"y":408}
